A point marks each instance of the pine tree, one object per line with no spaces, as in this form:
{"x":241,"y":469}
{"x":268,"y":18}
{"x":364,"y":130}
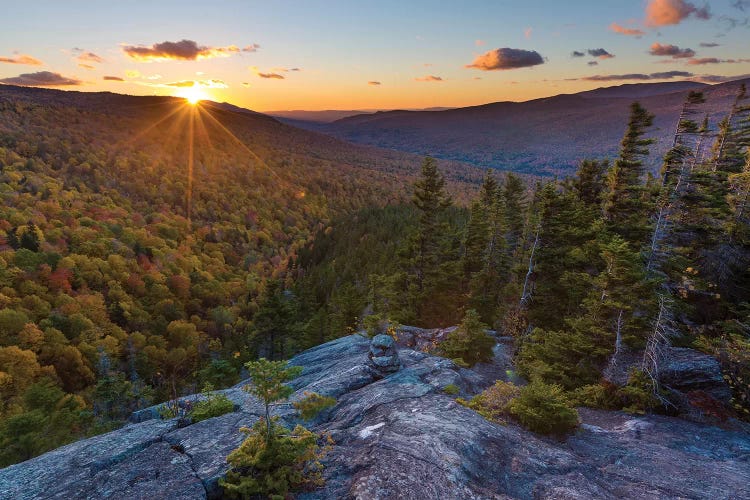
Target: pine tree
{"x":274,"y":328}
{"x":476,"y":240}
{"x":590,"y":180}
{"x":431,"y":200}
{"x":514,"y":196}
{"x":626,"y":206}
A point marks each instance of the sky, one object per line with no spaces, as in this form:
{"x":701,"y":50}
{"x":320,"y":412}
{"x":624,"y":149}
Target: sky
{"x":355,"y":54}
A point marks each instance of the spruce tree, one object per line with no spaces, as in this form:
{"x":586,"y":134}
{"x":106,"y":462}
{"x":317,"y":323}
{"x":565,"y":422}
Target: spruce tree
{"x":626,"y":207}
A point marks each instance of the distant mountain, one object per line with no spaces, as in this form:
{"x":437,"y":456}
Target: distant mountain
{"x":330,"y":115}
{"x":547,"y":136}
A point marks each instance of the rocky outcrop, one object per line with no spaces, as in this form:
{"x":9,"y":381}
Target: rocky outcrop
{"x":383,"y":354}
{"x":401,"y":436}
{"x":687,"y":370}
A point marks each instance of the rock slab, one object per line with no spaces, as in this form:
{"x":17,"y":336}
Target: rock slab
{"x":400,"y":436}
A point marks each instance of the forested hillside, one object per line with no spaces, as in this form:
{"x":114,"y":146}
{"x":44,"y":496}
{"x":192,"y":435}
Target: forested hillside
{"x":137,"y":235}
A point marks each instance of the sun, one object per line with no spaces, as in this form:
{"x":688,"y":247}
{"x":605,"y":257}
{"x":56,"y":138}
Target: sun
{"x":193,"y":95}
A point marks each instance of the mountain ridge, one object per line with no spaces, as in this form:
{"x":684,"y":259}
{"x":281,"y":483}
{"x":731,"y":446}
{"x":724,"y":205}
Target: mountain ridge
{"x":505,"y":135}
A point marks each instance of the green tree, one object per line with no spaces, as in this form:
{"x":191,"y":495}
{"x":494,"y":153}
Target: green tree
{"x":469,"y":343}
{"x":626,"y":205}
{"x":269,"y":384}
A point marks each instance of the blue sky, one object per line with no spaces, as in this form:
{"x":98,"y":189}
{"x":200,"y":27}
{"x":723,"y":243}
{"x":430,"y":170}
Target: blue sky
{"x":329,"y":54}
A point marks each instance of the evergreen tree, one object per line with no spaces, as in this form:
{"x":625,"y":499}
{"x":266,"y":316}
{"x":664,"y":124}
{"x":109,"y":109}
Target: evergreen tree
{"x":514,"y":197}
{"x":273,"y":329}
{"x":30,"y":238}
{"x":589,"y":182}
{"x":431,"y":200}
{"x":469,"y":343}
{"x":626,"y":205}
{"x":476,"y":239}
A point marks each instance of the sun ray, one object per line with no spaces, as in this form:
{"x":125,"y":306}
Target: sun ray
{"x":244,"y":146}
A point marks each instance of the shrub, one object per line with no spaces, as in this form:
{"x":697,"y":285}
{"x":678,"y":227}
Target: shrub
{"x":312,"y":404}
{"x":638,"y":395}
{"x":272,"y":468}
{"x":470,"y":342}
{"x":493,"y":402}
{"x":451,"y":389}
{"x":214,"y":405}
{"x":544,"y":408}
{"x":376,"y":324}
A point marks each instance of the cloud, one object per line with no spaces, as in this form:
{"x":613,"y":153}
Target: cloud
{"x":132,"y":73}
{"x":375,"y":83}
{"x":21,"y":59}
{"x":626,"y":31}
{"x":89,"y":57}
{"x":184,"y":83}
{"x":205,"y":84}
{"x":479,"y":43}
{"x":41,"y":79}
{"x":709,"y":45}
{"x":527,"y":32}
{"x":429,"y":78}
{"x":741,"y":4}
{"x":577,"y":53}
{"x":720,"y":78}
{"x":113,"y":79}
{"x":731,"y":23}
{"x":673,"y":51}
{"x":714,"y":60}
{"x":592,"y":63}
{"x":271,"y":75}
{"x":600,"y":54}
{"x":667,"y":12}
{"x":251,"y":48}
{"x":246,"y":84}
{"x":86,"y":66}
{"x":506,"y":58}
{"x":666,"y":75}
{"x":186,"y":50}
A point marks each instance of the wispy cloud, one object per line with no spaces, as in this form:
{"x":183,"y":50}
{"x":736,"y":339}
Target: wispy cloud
{"x":709,"y":45}
{"x":577,"y":53}
{"x":622,"y":30}
{"x":506,"y":58}
{"x":715,"y":60}
{"x":479,"y":43}
{"x":206,"y":84}
{"x":527,"y":32}
{"x":85,"y":56}
{"x":665,"y":75}
{"x":720,"y":78}
{"x":373,"y":82}
{"x":429,"y":78}
{"x":667,"y":12}
{"x":187,"y":50}
{"x":41,"y":79}
{"x":21,"y":59}
{"x":673,"y":51}
{"x":113,"y":78}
